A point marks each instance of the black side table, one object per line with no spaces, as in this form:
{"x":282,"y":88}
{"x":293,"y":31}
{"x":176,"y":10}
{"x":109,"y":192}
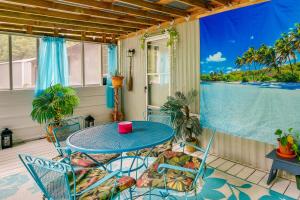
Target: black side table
{"x":290,"y":165}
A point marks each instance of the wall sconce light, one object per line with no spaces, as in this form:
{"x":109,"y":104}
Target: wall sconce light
{"x":130,"y":52}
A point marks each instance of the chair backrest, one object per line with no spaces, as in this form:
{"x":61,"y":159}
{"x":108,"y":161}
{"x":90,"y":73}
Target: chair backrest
{"x":203,"y":163}
{"x":161,"y":118}
{"x":51,"y":177}
{"x":62,"y":133}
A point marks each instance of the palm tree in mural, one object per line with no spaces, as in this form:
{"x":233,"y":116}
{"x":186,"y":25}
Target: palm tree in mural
{"x":239,"y":62}
{"x":268,"y":57}
{"x":284,"y":48}
{"x":295,"y":38}
{"x":250,"y":59}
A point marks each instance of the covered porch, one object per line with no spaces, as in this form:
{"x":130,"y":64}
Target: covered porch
{"x":149,"y":99}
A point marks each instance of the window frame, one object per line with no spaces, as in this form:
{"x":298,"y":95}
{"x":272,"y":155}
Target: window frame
{"x":83,"y":81}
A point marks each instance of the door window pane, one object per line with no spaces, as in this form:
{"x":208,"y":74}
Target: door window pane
{"x":92,"y":63}
{"x":24,"y":61}
{"x":4,"y":62}
{"x":158,"y":72}
{"x":74,"y":50}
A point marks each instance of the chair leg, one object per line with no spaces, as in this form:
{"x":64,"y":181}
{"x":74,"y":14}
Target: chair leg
{"x":130,"y":194}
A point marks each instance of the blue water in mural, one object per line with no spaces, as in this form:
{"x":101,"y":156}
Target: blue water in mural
{"x":252,"y":111}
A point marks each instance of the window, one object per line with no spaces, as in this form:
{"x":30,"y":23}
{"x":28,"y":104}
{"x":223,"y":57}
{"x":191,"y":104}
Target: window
{"x":74,"y":50}
{"x":24,"y":61}
{"x":104,"y":60}
{"x":19,"y":64}
{"x":4,"y":62}
{"x":92,"y":63}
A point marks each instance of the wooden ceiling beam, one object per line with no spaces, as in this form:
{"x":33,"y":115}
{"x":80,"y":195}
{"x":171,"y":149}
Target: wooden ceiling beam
{"x":78,"y":38}
{"x":57,"y":26}
{"x":156,"y":7}
{"x":83,"y":18}
{"x":194,"y":16}
{"x":163,"y":2}
{"x":197,"y":3}
{"x":223,"y":2}
{"x":30,"y":29}
{"x":100,"y":5}
{"x":80,"y":10}
{"x":18,"y":15}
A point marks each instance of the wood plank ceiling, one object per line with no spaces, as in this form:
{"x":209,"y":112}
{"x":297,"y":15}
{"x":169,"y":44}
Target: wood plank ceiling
{"x":103,"y":20}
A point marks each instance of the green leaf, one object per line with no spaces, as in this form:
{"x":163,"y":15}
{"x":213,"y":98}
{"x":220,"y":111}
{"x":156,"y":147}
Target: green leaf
{"x":284,"y":141}
{"x":208,"y":172}
{"x":244,"y":196}
{"x":278,"y":132}
{"x":247,"y":185}
{"x":212,"y":194}
{"x":214,"y":183}
{"x":232,"y":197}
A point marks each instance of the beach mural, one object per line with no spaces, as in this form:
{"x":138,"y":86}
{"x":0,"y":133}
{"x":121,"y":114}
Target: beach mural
{"x":250,"y":70}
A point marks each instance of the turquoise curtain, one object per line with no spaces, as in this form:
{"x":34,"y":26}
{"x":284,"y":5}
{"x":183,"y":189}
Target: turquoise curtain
{"x":112,"y":67}
{"x":53,"y":65}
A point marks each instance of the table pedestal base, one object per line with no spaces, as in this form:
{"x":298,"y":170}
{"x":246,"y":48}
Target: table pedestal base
{"x":121,"y":161}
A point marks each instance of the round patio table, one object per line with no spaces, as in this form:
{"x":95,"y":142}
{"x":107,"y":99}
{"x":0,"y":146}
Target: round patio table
{"x":106,"y":139}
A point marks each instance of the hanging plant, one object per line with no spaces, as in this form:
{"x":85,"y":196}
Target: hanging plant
{"x":173,"y":37}
{"x":143,"y":40}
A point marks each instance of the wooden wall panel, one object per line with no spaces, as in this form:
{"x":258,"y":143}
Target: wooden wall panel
{"x":15,"y":108}
{"x":185,"y":72}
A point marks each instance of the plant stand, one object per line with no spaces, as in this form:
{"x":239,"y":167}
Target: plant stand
{"x":290,"y":165}
{"x":116,"y":114}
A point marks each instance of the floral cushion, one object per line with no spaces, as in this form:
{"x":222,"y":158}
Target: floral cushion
{"x":159,"y":149}
{"x":88,"y":176}
{"x":80,"y":159}
{"x":176,"y":180}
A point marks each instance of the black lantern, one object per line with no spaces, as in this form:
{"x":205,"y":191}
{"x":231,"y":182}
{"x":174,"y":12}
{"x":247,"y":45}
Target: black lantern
{"x":89,"y":121}
{"x":6,"y":138}
{"x":104,"y":80}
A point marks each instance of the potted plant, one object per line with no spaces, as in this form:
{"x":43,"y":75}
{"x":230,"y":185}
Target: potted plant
{"x":187,"y":127}
{"x":285,"y":143}
{"x":117,"y":79}
{"x":51,"y":106}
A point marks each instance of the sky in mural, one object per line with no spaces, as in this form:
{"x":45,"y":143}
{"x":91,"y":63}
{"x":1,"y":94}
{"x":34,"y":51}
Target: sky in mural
{"x":227,"y":35}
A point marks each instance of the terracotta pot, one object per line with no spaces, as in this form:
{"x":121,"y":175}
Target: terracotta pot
{"x":285,"y":149}
{"x":117,"y":81}
{"x":49,"y":135}
{"x":191,"y":149}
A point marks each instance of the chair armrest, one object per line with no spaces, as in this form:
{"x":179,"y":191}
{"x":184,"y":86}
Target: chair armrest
{"x":182,"y":144}
{"x":162,"y":167}
{"x":100,"y":182}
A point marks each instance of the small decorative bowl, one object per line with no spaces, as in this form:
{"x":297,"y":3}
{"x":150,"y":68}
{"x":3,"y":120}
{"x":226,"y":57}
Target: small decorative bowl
{"x":125,"y":127}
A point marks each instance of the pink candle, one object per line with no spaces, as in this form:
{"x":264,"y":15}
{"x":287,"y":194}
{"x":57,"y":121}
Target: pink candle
{"x":125,"y":127}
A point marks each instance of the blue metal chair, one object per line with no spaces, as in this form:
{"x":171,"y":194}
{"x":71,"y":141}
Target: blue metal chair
{"x":175,"y":171}
{"x":79,"y":159}
{"x":59,"y":180}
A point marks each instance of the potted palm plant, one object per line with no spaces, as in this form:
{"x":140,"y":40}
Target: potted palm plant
{"x":117,"y":79}
{"x":187,"y":127}
{"x":55,"y":103}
